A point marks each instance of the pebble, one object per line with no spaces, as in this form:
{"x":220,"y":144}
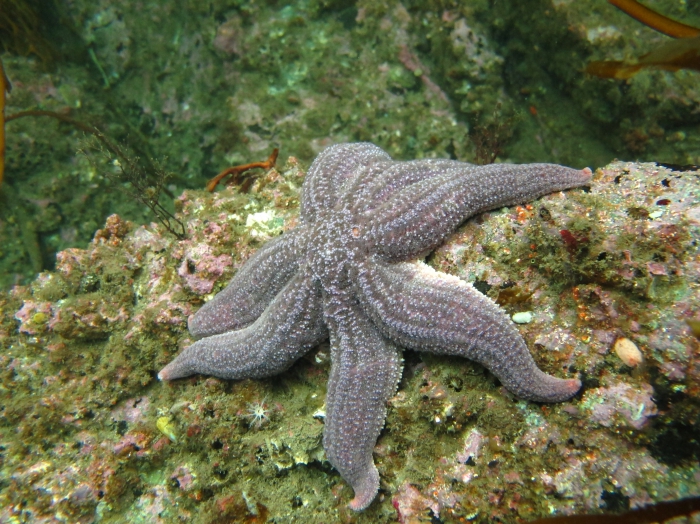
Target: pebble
{"x":524,"y":317}
{"x":628,"y":352}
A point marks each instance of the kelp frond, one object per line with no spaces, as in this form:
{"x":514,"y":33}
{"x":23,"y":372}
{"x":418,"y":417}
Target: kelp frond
{"x":683,"y":53}
{"x":656,"y":21}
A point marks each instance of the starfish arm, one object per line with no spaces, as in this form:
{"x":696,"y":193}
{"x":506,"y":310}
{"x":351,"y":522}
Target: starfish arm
{"x":424,"y":309}
{"x":379,"y":183}
{"x":288,"y":328}
{"x":418,"y":218}
{"x":252,"y":289}
{"x":365,"y":371}
{"x":334,"y":166}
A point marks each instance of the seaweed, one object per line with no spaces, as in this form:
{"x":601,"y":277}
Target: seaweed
{"x":146,"y":179}
{"x":683,"y":53}
{"x":5,"y":87}
{"x":490,"y":139}
{"x":37,"y":27}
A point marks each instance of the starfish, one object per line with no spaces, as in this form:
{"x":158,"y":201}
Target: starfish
{"x":351,"y":271}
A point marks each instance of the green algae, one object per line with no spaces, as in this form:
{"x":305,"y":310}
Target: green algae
{"x":220,"y":86}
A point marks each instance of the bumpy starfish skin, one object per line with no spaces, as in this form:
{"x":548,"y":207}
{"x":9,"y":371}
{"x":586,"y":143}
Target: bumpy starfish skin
{"x":348,"y":271}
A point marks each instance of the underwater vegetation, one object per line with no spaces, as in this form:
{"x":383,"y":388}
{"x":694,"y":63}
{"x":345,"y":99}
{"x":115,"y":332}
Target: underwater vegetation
{"x":5,"y":88}
{"x":683,"y":53}
{"x":88,"y":435}
{"x":235,"y":171}
{"x":145,"y":177}
{"x":26,"y":26}
{"x":31,"y":27}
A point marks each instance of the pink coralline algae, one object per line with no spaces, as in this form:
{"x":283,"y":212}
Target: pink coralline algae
{"x":184,"y":477}
{"x":33,"y":317}
{"x":472,"y":445}
{"x":200,"y":268}
{"x":620,"y":405}
{"x":410,"y":504}
{"x":135,"y":443}
{"x":132,"y":410}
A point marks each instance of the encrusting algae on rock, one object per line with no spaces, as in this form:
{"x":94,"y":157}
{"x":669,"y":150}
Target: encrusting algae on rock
{"x":80,"y":412}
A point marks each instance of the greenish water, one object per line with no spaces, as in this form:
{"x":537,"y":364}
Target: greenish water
{"x":196,"y":87}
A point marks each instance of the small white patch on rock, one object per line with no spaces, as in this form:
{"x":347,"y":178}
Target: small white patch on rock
{"x":628,"y":352}
{"x":523,"y":317}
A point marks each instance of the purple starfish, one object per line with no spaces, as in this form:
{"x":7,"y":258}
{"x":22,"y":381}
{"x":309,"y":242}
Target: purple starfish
{"x":350,"y":271}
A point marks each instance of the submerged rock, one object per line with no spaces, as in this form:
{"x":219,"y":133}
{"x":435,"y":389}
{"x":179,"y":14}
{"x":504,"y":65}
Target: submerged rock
{"x":88,"y":431}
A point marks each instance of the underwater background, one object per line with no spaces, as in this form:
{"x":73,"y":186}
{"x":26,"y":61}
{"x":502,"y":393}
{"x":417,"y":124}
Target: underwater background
{"x":109,"y":241}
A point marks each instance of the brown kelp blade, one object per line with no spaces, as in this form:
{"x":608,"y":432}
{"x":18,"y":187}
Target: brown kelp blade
{"x":683,"y":53}
{"x":237,"y":170}
{"x":655,"y":20}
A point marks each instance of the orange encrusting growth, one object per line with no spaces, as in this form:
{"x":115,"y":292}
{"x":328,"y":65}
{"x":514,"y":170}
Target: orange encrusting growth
{"x":683,"y":53}
{"x":237,"y":170}
{"x":655,"y":20}
{"x":5,"y":87}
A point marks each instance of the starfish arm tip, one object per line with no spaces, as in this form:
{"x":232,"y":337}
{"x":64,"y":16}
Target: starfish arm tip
{"x":552,"y":389}
{"x":365,"y":490}
{"x":586,"y":175}
{"x":176,"y":369}
{"x":573,"y":385}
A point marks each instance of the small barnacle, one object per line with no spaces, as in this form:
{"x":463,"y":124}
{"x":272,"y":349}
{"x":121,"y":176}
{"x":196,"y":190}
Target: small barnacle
{"x":167,"y":427}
